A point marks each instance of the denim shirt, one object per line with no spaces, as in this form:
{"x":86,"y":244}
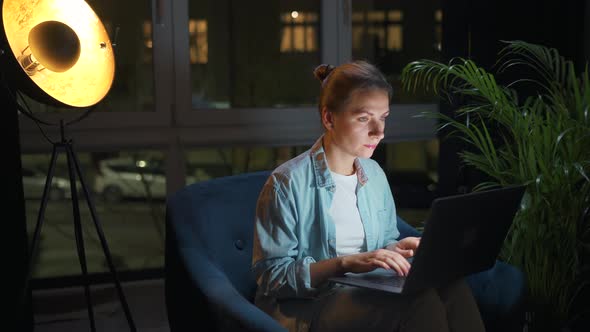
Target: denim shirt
{"x":293,"y":227}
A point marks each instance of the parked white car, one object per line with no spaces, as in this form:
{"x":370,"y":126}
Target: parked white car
{"x":121,"y":178}
{"x":34,"y":183}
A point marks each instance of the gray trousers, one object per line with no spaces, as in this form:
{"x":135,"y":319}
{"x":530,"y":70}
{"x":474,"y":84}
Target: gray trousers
{"x":450,"y":308}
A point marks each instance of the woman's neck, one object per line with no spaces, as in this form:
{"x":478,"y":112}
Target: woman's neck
{"x":338,"y":161}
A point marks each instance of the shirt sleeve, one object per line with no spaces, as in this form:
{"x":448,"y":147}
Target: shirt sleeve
{"x":278,"y":270}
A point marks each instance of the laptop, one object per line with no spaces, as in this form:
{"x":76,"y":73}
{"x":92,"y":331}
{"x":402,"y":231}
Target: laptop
{"x":463,"y":234}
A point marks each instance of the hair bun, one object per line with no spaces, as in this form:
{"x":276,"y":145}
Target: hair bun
{"x":322,"y":71}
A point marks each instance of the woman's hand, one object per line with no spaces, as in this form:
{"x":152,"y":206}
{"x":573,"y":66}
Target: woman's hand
{"x":357,"y":263}
{"x":368,"y":261}
{"x":406,"y":246}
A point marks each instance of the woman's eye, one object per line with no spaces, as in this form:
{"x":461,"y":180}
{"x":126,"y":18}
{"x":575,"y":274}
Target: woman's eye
{"x":363,"y":119}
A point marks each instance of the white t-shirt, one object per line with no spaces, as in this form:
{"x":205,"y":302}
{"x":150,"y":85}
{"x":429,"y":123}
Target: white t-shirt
{"x":350,"y":234}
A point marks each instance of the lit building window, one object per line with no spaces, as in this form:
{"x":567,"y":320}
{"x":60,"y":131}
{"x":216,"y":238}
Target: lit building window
{"x":147,"y":41}
{"x":384,"y":29}
{"x":147,"y":34}
{"x":299,"y":33}
{"x":438,"y":16}
{"x":198,"y":44}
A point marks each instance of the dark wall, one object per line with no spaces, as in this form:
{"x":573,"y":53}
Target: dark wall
{"x":474,"y":29}
{"x":19,"y":315}
{"x":15,"y":262}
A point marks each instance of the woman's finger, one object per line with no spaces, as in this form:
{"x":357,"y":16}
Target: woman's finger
{"x":379,"y":263}
{"x":405,"y":252}
{"x":396,"y":266}
{"x":404,"y":264}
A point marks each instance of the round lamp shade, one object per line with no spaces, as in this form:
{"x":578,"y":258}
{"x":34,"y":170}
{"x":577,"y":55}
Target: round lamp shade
{"x":62,"y":47}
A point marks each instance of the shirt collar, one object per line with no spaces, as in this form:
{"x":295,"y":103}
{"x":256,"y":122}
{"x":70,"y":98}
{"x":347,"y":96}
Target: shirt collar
{"x":321,"y":170}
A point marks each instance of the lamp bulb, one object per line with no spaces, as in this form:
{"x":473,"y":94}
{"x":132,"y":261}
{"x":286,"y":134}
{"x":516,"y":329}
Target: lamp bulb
{"x":29,"y":63}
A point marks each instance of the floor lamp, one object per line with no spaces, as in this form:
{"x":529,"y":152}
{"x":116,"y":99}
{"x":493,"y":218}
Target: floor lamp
{"x":59,"y":53}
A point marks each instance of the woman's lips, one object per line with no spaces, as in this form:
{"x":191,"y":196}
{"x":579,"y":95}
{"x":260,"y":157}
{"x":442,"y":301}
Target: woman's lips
{"x":371,"y":146}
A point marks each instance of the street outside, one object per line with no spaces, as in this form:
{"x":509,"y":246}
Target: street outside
{"x":134,"y":231}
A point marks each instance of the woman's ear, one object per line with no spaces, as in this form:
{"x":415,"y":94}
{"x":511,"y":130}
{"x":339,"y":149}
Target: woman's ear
{"x":327,"y":118}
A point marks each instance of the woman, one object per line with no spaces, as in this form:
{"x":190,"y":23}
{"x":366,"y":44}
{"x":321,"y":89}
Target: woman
{"x":330,"y":211}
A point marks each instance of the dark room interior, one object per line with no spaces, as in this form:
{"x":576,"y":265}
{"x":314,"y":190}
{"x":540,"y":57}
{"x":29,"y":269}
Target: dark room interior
{"x":206,"y":90}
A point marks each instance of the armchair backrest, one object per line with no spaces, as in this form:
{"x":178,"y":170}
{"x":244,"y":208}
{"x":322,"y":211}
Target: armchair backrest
{"x":218,"y":216}
{"x":214,"y":219}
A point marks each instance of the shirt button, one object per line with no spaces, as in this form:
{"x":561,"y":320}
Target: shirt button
{"x":331,"y":242}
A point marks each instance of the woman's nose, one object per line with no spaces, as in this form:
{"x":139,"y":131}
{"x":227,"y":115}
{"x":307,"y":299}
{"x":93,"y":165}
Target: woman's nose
{"x":377,"y":129}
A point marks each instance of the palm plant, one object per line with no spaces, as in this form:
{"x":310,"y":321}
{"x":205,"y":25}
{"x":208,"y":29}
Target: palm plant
{"x":541,"y":140}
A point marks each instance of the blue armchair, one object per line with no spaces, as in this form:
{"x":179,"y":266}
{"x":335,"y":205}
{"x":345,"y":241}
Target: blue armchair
{"x":208,"y":281}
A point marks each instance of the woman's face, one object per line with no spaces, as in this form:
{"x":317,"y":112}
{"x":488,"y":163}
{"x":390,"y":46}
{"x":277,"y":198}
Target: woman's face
{"x":357,"y":129}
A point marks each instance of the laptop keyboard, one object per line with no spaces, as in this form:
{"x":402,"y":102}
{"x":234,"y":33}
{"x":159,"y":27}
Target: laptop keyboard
{"x":396,"y":281}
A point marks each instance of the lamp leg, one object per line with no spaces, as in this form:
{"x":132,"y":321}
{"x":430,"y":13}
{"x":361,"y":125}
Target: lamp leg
{"x":79,"y":235}
{"x":99,"y":231}
{"x":73,"y":169}
{"x":35,"y":240}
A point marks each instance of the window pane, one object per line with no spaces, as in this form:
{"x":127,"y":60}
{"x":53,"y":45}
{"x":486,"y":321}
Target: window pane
{"x":395,"y":15}
{"x":259,"y":54}
{"x":438,"y":29}
{"x":128,"y":23}
{"x":357,"y":37}
{"x":128,"y":190}
{"x":394,"y":37}
{"x":411,"y":169}
{"x":357,"y":17}
{"x":286,"y":42}
{"x":438,"y":15}
{"x":311,"y":40}
{"x":198,"y":41}
{"x":207,"y":163}
{"x":377,"y":37}
{"x":298,"y":39}
{"x":376,"y":16}
{"x":379,"y":32}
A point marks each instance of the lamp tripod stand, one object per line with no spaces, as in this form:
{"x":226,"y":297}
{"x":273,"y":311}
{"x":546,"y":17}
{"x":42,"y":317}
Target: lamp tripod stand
{"x":59,"y":53}
{"x":66,"y":145}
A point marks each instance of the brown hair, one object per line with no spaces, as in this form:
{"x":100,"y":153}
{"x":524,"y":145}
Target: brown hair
{"x":338,"y":83}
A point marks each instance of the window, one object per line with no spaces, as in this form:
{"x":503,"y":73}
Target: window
{"x":299,"y":32}
{"x":380,"y":31}
{"x":252,"y":54}
{"x":438,"y":17}
{"x":198,"y":41}
{"x":147,"y":41}
{"x":377,"y":29}
{"x":128,"y":190}
{"x":412,"y":171}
